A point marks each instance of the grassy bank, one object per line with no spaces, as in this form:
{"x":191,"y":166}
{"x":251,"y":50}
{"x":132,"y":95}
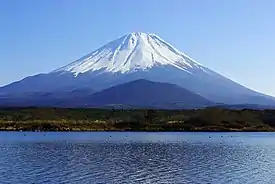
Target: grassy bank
{"x":209,"y":119}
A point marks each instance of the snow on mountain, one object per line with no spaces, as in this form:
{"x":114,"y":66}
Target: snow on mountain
{"x":139,"y":56}
{"x":132,"y":52}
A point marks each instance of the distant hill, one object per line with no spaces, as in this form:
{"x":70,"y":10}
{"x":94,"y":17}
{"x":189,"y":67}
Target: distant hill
{"x":141,"y":93}
{"x":246,"y":106}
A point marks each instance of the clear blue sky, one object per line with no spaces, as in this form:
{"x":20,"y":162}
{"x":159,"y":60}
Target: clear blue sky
{"x":234,"y":37}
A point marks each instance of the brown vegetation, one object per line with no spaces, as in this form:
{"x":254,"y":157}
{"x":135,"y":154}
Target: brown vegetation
{"x":209,"y":119}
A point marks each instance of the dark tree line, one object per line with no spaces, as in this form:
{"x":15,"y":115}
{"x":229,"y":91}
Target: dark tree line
{"x":209,"y":119}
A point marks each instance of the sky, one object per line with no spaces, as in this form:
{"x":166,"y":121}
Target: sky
{"x":235,"y":38}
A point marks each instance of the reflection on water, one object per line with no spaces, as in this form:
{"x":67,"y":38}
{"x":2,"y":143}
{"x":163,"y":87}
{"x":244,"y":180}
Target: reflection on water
{"x":137,"y":158}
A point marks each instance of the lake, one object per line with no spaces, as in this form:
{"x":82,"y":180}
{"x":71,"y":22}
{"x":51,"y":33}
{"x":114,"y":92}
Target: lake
{"x":136,"y":157}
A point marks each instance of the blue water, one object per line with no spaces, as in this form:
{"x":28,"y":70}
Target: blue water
{"x":113,"y":157}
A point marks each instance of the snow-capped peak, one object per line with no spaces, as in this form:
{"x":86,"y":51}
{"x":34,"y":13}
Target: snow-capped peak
{"x":132,"y":52}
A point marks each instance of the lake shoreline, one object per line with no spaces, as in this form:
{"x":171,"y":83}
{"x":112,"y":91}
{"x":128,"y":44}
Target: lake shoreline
{"x":136,"y":120}
{"x":133,"y":130}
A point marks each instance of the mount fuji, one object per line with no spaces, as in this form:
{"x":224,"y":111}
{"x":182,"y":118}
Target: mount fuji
{"x":132,"y":57}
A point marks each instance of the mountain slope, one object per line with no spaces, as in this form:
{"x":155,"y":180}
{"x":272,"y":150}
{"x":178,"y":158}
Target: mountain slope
{"x":142,"y":93}
{"x":129,"y":54}
{"x":43,"y":98}
{"x":132,"y":52}
{"x":135,"y":56}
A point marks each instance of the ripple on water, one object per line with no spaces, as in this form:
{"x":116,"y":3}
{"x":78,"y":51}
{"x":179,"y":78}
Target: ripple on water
{"x":218,"y":160}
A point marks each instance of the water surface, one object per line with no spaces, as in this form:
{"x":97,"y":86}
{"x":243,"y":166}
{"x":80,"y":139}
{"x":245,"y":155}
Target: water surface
{"x":113,"y":157}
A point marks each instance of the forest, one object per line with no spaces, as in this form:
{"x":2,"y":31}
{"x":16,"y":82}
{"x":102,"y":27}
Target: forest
{"x":208,"y":119}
